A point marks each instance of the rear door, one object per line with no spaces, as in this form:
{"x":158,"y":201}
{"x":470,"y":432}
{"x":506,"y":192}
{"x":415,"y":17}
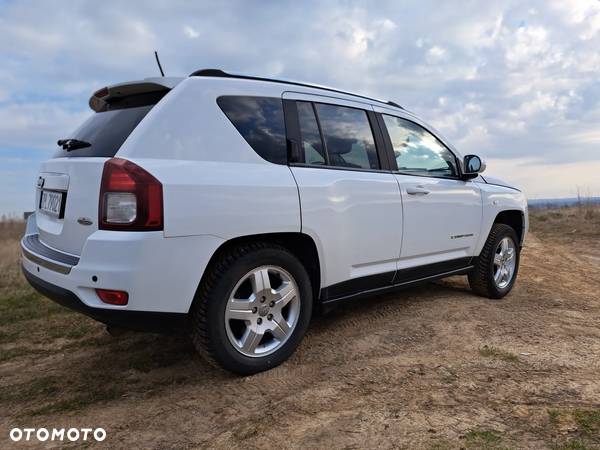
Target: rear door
{"x":442,"y":212}
{"x":68,"y":185}
{"x":350,"y":201}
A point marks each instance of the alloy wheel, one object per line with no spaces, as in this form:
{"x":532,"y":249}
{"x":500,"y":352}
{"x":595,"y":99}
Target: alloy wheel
{"x":262,"y":311}
{"x":504,"y":262}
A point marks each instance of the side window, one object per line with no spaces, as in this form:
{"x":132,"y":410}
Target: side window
{"x":260,"y":121}
{"x":312,"y":147}
{"x":348,"y":137}
{"x":417,"y":150}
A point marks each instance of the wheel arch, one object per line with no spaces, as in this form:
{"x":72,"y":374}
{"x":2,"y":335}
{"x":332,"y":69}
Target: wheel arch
{"x":515,"y":219}
{"x":299,"y":244}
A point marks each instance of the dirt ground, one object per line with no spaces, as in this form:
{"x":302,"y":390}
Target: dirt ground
{"x":433,"y":367}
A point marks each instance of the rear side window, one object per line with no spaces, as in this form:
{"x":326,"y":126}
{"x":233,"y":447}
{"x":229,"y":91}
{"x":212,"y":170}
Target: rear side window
{"x":106,"y":131}
{"x":312,"y":147}
{"x":348,"y":137}
{"x":260,"y":122}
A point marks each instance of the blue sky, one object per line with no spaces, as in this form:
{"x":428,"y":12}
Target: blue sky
{"x":516,"y":82}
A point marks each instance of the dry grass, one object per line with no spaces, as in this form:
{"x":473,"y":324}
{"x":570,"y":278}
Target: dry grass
{"x":10,"y":274}
{"x":582,"y":221}
{"x":11,"y":229}
{"x":489,"y":351}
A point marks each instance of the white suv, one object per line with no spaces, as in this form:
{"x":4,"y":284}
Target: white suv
{"x":233,"y":206}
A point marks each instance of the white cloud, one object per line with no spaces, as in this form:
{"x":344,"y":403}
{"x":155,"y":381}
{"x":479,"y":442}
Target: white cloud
{"x":388,"y":25}
{"x":436,"y":54}
{"x":583,"y":14}
{"x":37,"y":125}
{"x":190,"y":32}
{"x":528,"y":44}
{"x":31,"y":38}
{"x":481,"y":33}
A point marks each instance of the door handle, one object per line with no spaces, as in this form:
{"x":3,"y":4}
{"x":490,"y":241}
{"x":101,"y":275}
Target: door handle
{"x":418,"y":190}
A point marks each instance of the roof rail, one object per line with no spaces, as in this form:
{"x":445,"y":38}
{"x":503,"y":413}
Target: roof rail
{"x":222,"y":74}
{"x":391,"y":103}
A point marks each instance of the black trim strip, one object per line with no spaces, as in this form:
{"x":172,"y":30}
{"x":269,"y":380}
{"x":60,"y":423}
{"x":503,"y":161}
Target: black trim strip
{"x":396,"y":287}
{"x":498,"y":184}
{"x":32,"y":242}
{"x":34,"y":250}
{"x":133,"y":320}
{"x":355,"y":285}
{"x":351,"y":169}
{"x":292,"y":132}
{"x":430,"y":270}
{"x":323,"y":141}
{"x":379,"y":283}
{"x":387,"y":143}
{"x":380,"y":148}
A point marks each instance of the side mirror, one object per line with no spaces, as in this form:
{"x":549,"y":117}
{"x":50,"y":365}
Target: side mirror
{"x":473,"y":165}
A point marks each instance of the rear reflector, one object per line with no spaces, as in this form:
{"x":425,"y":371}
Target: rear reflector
{"x":113,"y":297}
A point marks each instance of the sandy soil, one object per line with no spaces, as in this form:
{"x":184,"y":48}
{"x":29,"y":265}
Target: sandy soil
{"x":431,"y":367}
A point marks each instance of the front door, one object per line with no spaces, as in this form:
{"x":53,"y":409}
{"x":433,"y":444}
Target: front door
{"x":442,"y":213}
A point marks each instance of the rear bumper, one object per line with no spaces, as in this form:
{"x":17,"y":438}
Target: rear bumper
{"x":37,"y":252}
{"x":133,"y":320}
{"x":160,"y":275}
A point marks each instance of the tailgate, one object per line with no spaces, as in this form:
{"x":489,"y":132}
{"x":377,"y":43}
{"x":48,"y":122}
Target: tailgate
{"x":67,"y":202}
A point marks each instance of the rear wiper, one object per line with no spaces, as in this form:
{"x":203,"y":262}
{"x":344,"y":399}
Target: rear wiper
{"x":72,"y":144}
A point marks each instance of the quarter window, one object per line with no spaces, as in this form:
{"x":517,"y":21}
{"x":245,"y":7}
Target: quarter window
{"x":417,"y":150}
{"x":260,"y":121}
{"x":348,"y":137}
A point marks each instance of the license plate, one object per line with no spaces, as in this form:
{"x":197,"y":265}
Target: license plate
{"x":51,"y":202}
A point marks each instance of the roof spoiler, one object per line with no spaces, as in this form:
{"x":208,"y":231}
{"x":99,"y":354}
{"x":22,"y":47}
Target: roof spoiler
{"x":103,"y":97}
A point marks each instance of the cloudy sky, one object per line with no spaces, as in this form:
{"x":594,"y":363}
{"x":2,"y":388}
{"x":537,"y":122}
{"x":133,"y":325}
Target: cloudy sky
{"x":514,"y":81}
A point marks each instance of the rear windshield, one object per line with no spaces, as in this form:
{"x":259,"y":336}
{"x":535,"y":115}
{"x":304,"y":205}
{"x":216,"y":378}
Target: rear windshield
{"x":107,"y":130}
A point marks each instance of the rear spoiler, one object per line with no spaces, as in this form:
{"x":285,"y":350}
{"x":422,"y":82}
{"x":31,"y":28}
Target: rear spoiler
{"x":103,"y":97}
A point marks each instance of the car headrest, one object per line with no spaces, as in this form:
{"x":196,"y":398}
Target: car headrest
{"x":339,"y":146}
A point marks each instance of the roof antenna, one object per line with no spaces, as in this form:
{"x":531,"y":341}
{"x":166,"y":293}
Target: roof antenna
{"x":158,"y":62}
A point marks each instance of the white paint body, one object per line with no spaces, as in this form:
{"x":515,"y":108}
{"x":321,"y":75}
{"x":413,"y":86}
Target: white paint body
{"x":216,"y":188}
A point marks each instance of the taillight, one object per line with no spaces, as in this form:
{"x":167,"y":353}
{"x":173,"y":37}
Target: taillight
{"x":113,"y":297}
{"x":130,"y":198}
{"x":101,"y":92}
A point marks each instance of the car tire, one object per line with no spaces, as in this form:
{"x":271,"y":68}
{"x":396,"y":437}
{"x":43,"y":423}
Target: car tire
{"x":229,"y":304}
{"x":495,"y":269}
